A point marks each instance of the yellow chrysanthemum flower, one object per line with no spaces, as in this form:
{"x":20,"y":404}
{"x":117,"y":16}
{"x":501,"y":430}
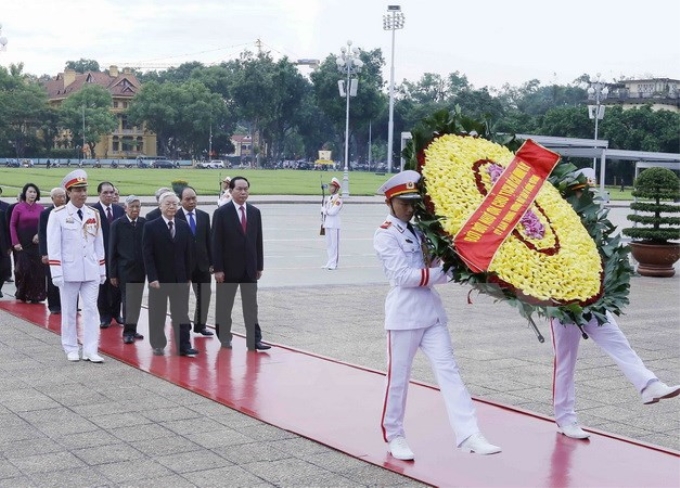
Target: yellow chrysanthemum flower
{"x":561,"y":265}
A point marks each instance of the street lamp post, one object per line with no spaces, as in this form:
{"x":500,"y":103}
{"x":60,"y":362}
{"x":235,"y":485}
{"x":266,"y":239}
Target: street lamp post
{"x":348,"y":63}
{"x":83,"y":107}
{"x":597,"y":92}
{"x":3,"y":40}
{"x":392,"y":20}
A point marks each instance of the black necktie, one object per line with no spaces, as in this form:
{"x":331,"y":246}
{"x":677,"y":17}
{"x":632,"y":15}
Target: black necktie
{"x":134,"y":223}
{"x":410,"y":228}
{"x":172,"y":229}
{"x":80,"y":214}
{"x":109,"y":215}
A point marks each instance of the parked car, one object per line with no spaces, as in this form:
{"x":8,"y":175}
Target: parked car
{"x":214,"y":164}
{"x":163,"y":163}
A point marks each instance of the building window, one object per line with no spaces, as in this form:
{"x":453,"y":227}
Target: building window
{"x":124,"y":122}
{"x":115,"y":104}
{"x":116,"y":144}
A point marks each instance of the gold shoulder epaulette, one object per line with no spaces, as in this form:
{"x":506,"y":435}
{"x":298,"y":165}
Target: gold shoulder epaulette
{"x":386,"y":225}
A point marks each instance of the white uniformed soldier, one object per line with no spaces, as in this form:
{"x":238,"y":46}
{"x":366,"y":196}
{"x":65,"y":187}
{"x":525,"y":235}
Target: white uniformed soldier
{"x":331,"y":223}
{"x":75,"y":248}
{"x":611,"y":339}
{"x":415,"y":318}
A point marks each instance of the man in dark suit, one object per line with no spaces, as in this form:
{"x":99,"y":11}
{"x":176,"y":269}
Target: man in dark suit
{"x":126,"y":265}
{"x":199,"y":223}
{"x":238,"y":261}
{"x":156,"y":212}
{"x":58,"y":196}
{"x":109,"y":299}
{"x":11,"y":251}
{"x":5,"y":246}
{"x":168,"y":260}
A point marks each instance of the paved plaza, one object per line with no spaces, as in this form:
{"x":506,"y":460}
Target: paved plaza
{"x":112,"y":425}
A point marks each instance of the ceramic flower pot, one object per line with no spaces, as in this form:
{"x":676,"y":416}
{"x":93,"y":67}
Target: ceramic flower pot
{"x":656,"y":260}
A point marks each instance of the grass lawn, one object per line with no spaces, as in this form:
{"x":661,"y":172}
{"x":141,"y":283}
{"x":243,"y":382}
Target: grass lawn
{"x":145,"y":182}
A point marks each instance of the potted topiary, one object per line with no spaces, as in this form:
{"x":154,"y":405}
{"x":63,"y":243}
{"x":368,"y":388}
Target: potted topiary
{"x":651,"y":245}
{"x":178,"y":186}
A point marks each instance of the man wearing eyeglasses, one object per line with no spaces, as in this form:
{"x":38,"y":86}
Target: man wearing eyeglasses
{"x":109,"y":300}
{"x":167,"y":249}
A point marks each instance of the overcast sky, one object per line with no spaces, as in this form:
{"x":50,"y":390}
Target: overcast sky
{"x":492,"y":42}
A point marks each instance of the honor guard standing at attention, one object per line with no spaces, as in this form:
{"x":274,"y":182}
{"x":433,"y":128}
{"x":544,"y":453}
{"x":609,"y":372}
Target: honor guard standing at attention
{"x":331,"y":223}
{"x":415,"y":318}
{"x":75,"y":248}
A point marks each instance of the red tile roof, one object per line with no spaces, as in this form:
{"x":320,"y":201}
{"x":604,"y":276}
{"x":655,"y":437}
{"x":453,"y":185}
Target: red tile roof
{"x":125,"y":85}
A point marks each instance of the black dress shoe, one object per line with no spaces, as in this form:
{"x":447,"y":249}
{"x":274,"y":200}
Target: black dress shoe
{"x":261,"y":346}
{"x":204,"y":332}
{"x":55,"y":311}
{"x":120,"y":320}
{"x":104,"y":325}
{"x":129,"y":339}
{"x":138,"y":336}
{"x":227,"y":345}
{"x":190,"y":352}
{"x":158,"y":351}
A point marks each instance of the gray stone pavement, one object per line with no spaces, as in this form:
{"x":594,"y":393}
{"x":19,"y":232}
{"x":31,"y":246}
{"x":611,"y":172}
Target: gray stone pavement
{"x":112,"y":425}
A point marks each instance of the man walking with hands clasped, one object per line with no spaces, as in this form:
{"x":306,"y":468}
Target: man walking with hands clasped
{"x":238,"y":260}
{"x":167,"y":248}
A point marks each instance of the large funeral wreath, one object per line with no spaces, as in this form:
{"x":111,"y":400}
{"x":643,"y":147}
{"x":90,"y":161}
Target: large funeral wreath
{"x":560,"y":261}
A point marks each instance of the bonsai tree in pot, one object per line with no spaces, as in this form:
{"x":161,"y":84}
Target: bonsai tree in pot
{"x":651,"y":245}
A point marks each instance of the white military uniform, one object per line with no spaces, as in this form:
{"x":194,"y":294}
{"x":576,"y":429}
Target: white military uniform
{"x":610,"y":338}
{"x":331,"y":224}
{"x":415,"y":318}
{"x":75,"y":248}
{"x":225,"y":197}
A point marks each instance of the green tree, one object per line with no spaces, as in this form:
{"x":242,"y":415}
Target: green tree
{"x":87,"y":115}
{"x":23,"y":105}
{"x":181,"y":114}
{"x":83,"y":65}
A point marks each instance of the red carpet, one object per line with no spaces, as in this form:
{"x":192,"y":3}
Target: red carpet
{"x":339,"y":405}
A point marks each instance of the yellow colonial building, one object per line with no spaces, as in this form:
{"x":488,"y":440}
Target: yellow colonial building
{"x":126,"y":141}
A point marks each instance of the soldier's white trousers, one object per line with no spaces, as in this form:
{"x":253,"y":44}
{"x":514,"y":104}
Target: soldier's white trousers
{"x":566,"y":339}
{"x":436,"y":344}
{"x":88,"y":290}
{"x":332,"y":247}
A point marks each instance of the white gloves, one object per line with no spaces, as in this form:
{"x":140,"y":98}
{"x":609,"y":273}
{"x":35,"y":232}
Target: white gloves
{"x":102,"y":279}
{"x":323,"y":210}
{"x":58,"y":282}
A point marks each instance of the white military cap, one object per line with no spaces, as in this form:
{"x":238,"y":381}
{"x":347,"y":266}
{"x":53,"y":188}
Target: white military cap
{"x":76,"y":178}
{"x":335,"y":182}
{"x":402,"y":185}
{"x":589,"y":173}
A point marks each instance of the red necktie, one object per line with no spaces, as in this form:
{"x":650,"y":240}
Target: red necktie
{"x":109,"y":215}
{"x":243,"y":218}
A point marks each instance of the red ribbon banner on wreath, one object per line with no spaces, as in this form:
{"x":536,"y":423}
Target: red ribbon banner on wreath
{"x":515,"y":190}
